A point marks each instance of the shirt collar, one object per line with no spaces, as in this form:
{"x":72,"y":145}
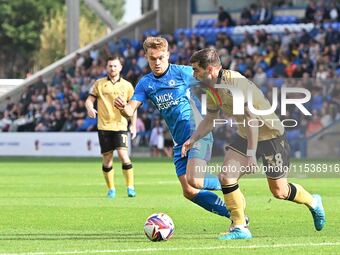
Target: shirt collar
{"x":109,"y":79}
{"x":219,"y":77}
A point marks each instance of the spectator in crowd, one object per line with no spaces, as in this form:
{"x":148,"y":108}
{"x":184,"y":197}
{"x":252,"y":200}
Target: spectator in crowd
{"x":88,"y":60}
{"x":69,"y":124}
{"x":5,"y":121}
{"x":310,"y":11}
{"x":254,"y":13}
{"x":279,"y":67}
{"x":314,"y":125}
{"x":265,"y":13}
{"x":245,"y":17}
{"x":260,"y":77}
{"x":94,"y":54}
{"x":304,"y":37}
{"x":79,"y":60}
{"x":129,"y":52}
{"x":59,"y":77}
{"x":286,"y":40}
{"x":113,"y":47}
{"x":134,"y":71}
{"x":157,"y":139}
{"x":79,"y":111}
{"x":334,"y":12}
{"x":285,"y":3}
{"x":145,"y":136}
{"x":326,"y":117}
{"x":42,"y":123}
{"x":335,"y":94}
{"x":140,"y":130}
{"x":57,"y":121}
{"x":141,"y":60}
{"x":224,"y":19}
{"x":319,"y":16}
{"x":331,"y":37}
{"x":88,"y":124}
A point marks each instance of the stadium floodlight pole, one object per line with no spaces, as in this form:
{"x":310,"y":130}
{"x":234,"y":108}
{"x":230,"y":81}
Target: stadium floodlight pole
{"x":72,"y":27}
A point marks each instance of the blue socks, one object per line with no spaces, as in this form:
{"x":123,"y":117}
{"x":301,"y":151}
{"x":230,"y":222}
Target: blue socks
{"x":211,"y":182}
{"x":211,"y":202}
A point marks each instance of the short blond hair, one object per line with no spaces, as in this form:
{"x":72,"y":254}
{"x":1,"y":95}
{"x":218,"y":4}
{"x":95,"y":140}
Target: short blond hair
{"x":155,"y":43}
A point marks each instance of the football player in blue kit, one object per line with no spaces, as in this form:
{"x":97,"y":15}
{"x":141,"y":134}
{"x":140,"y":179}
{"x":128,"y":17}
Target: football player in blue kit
{"x":168,"y":87}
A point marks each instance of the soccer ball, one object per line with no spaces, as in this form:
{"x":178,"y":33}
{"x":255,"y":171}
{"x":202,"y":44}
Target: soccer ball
{"x":159,"y":227}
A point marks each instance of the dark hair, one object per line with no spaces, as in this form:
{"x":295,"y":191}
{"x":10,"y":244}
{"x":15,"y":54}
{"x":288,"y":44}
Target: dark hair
{"x":114,"y":57}
{"x":205,"y":57}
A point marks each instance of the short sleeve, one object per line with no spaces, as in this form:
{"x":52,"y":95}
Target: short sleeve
{"x":94,"y":90}
{"x":130,"y":92}
{"x":139,"y":94}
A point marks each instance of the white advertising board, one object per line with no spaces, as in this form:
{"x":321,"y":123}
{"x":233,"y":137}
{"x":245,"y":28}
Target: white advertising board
{"x":61,"y":144}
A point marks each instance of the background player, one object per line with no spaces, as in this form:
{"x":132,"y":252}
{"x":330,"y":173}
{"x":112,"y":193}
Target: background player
{"x":267,"y":141}
{"x":167,"y":86}
{"x":112,"y":126}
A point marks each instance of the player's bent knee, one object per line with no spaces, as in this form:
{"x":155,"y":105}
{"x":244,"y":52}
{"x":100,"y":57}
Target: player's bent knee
{"x":225,"y":179}
{"x":193,"y":182}
{"x":189,"y":193}
{"x":106,"y":169}
{"x":279,"y":194}
{"x":222,"y":178}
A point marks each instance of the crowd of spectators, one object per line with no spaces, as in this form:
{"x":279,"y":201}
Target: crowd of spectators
{"x":308,"y":59}
{"x":255,"y":15}
{"x":263,"y":13}
{"x":319,"y":11}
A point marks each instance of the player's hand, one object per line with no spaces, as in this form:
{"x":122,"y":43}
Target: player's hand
{"x":187,"y":146}
{"x":120,"y":103}
{"x":133,"y":132}
{"x":92,"y":113}
{"x":251,"y":167}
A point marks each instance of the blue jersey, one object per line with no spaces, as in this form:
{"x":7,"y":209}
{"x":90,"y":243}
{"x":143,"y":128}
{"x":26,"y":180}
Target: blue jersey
{"x":170,"y":93}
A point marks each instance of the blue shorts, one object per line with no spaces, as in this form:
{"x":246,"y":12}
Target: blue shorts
{"x":202,"y":150}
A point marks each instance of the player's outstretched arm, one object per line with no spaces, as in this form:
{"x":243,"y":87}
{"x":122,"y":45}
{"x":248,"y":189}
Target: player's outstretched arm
{"x":126,"y":108}
{"x":89,"y":104}
{"x":205,"y":127}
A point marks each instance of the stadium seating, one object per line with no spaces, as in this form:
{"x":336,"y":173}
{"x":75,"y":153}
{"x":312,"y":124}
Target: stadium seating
{"x":205,"y":23}
{"x":285,"y":20}
{"x":237,"y":32}
{"x":275,"y":28}
{"x":209,"y":23}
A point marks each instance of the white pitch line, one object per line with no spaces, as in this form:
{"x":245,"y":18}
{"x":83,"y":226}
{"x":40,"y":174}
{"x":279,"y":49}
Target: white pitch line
{"x":177,"y":249}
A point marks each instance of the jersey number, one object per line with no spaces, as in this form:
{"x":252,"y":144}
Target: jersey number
{"x":124,"y":138}
{"x":278,"y":161}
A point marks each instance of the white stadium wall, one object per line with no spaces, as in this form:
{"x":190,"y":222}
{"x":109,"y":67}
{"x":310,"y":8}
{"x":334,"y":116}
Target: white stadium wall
{"x":50,"y":144}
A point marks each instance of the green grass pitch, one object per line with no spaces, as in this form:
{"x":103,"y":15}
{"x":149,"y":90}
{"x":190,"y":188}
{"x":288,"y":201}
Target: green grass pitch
{"x":59,"y":206}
